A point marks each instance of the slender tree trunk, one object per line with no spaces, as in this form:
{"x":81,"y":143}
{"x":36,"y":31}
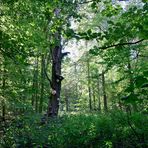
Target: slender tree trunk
{"x":33,"y":89}
{"x":76,"y":87}
{"x":94,"y":98}
{"x":42,"y":83}
{"x":99,"y":99}
{"x":36,"y":85}
{"x":3,"y":93}
{"x":104,"y":92}
{"x":89,"y":83}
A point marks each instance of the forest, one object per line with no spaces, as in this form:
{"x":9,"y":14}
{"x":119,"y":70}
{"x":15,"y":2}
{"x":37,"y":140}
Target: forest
{"x":73,"y":73}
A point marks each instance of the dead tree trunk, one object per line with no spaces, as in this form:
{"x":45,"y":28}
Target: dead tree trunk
{"x":56,"y":79}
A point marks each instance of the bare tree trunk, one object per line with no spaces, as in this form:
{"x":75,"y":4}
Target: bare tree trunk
{"x":104,"y":92}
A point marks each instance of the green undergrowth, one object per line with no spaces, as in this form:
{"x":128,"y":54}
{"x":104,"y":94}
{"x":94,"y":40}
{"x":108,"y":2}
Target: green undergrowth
{"x":112,"y":130}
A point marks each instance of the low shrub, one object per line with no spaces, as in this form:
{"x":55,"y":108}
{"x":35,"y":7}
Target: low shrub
{"x":111,"y":130}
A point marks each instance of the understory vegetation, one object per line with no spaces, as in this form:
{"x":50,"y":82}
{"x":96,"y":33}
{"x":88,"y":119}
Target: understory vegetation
{"x":115,"y":129}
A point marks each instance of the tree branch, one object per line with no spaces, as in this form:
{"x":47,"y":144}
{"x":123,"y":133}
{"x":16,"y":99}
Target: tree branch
{"x":121,"y":44}
{"x":47,"y":77}
{"x":64,"y":54}
{"x":86,"y":2}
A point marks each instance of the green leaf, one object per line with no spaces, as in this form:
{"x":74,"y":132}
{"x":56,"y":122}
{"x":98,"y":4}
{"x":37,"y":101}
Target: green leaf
{"x":145,"y":73}
{"x":144,"y":1}
{"x":89,"y":32}
{"x":131,"y":98}
{"x":93,"y":5}
{"x":70,"y":32}
{"x":139,"y":81}
{"x":145,"y":85}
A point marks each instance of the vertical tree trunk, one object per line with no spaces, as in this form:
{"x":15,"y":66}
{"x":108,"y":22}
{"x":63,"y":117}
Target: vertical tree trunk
{"x":36,"y":85}
{"x":53,"y":105}
{"x":76,"y":87}
{"x":89,"y":83}
{"x":104,"y":92}
{"x":99,"y":99}
{"x":33,"y":89}
{"x":57,"y":56}
{"x":3,"y":92}
{"x":42,"y":83}
{"x":94,"y":98}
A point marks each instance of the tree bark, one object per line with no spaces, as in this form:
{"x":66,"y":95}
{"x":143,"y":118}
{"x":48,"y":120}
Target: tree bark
{"x":57,"y":55}
{"x":55,"y":82}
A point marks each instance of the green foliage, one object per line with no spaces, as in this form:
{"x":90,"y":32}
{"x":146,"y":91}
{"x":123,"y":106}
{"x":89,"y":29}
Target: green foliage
{"x":119,"y":40}
{"x":90,"y":130}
